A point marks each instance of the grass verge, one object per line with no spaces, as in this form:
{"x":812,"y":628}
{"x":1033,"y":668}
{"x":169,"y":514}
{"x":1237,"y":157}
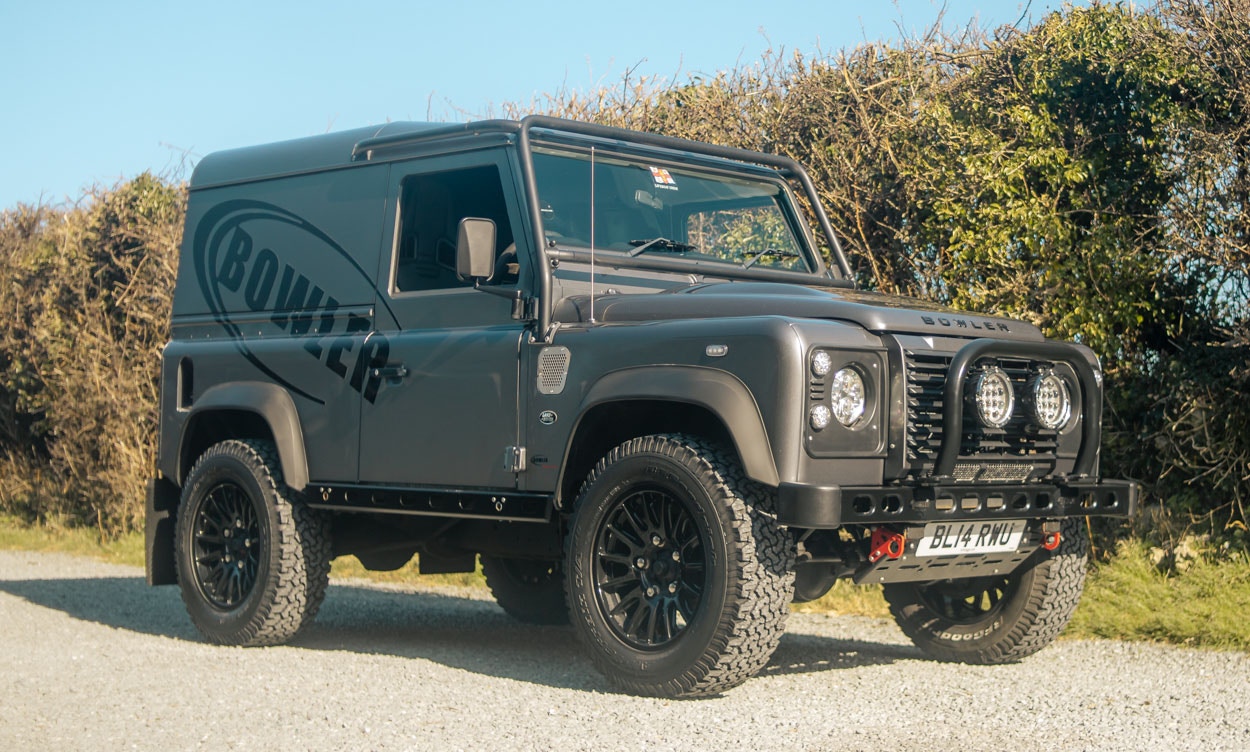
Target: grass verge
{"x":128,"y":549}
{"x":17,"y":536}
{"x":1202,"y":603}
{"x":847,"y":598}
{"x":346,"y":567}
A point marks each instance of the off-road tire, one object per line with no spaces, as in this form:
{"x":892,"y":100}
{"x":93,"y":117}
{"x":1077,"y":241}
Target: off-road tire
{"x":729,"y":563}
{"x":1000,"y":619}
{"x":528,"y":590}
{"x":264,"y":581}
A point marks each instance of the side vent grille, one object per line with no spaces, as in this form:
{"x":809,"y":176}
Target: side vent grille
{"x":553,"y":369}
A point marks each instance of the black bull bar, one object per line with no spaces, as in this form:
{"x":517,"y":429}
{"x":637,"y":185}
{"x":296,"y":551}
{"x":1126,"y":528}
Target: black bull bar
{"x":937,"y":497}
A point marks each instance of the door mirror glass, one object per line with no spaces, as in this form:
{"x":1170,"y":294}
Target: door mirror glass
{"x":475,"y":249}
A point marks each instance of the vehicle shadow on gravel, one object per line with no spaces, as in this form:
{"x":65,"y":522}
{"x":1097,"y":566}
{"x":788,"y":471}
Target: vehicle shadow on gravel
{"x":466,"y":633}
{"x":809,"y":654}
{"x":118,"y":602}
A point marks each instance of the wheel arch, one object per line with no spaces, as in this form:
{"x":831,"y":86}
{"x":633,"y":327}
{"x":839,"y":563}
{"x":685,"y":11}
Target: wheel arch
{"x":248,"y":409}
{"x":633,"y":402}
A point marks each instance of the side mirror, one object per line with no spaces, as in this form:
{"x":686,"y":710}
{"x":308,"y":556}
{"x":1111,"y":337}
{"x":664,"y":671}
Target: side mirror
{"x":475,"y":249}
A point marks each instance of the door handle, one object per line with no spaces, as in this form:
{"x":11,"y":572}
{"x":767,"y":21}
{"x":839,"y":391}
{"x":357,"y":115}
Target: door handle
{"x":390,"y":372}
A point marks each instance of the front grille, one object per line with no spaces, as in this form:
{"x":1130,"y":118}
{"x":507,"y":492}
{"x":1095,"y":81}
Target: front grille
{"x":999,"y":472}
{"x":994,"y":453}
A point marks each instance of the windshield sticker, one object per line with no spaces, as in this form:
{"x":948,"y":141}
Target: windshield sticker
{"x":663,"y":179}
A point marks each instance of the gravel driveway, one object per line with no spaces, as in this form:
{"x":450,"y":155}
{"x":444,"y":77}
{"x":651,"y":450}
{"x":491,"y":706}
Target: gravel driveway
{"x":91,"y":658}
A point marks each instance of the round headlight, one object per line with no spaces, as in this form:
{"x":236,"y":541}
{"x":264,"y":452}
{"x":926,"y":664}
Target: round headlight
{"x":848,"y":396}
{"x":995,"y":398}
{"x":821,"y":363}
{"x":820,"y":415}
{"x":1052,"y":403}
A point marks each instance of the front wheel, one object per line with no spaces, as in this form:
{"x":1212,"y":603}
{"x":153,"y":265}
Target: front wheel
{"x":253,"y":560}
{"x":992,"y":620}
{"x":679,"y":578}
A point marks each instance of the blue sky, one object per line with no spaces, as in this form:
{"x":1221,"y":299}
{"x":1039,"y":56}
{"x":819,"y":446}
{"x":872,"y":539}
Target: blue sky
{"x":98,"y":91}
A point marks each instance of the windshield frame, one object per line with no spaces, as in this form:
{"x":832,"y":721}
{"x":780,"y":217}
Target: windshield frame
{"x":558,"y":130}
{"x":763,"y":188}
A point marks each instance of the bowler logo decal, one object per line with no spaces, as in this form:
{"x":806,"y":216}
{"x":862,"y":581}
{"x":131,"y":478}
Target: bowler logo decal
{"x":237,"y":272}
{"x":964,"y":324}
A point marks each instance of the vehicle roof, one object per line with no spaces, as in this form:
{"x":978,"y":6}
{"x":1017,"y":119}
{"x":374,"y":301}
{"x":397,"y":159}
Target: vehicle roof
{"x":396,"y":140}
{"x":345,"y":148}
{"x":328,"y":150}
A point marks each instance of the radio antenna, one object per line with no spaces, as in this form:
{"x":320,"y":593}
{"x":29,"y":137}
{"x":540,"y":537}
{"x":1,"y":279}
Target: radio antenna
{"x":592,"y":234}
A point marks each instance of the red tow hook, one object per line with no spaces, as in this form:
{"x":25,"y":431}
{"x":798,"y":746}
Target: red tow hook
{"x":886,"y":544}
{"x":1050,"y":541}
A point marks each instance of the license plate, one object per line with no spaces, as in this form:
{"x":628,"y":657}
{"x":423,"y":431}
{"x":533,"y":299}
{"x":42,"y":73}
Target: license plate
{"x":950,"y":538}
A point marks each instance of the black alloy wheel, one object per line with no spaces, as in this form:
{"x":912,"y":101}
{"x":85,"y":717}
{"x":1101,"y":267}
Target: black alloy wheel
{"x":650,"y":568}
{"x":253,"y":559}
{"x":999,"y":619}
{"x":969,"y":601}
{"x":679,"y":579}
{"x":227,"y":545}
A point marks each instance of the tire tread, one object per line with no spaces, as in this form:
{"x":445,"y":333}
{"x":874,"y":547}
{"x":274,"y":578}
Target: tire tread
{"x":761,"y":584}
{"x":294,"y":592}
{"x":1051,"y":591}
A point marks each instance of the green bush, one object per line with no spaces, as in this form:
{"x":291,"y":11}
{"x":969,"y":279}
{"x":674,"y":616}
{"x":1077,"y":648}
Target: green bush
{"x":1090,"y":175}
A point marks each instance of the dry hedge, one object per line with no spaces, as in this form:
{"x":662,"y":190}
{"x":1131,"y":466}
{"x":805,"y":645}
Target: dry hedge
{"x":87,"y":300}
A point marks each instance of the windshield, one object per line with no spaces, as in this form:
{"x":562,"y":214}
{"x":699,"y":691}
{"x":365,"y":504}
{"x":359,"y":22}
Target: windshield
{"x":646,"y":207}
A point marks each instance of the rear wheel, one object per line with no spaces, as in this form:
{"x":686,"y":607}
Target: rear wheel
{"x":996,"y":619}
{"x":679,"y":577}
{"x":529,"y":590}
{"x":253,"y":561}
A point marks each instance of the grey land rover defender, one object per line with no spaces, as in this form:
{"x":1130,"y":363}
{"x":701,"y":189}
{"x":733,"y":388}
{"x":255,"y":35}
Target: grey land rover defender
{"x":616,"y":367}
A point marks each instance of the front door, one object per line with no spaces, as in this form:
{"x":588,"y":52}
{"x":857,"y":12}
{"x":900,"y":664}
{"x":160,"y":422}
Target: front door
{"x":444,"y":412}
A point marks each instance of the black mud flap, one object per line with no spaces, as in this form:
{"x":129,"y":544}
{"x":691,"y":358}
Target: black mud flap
{"x":162,"y":505}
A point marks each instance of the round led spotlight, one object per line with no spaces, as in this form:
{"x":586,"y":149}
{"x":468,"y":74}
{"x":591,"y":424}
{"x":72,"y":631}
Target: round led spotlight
{"x":995,"y":398}
{"x":1052,"y":403}
{"x":848,"y":396}
{"x":822,"y":363}
{"x":820,"y":415}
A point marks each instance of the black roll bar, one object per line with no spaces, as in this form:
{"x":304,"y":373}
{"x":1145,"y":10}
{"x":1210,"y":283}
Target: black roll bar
{"x":788,"y":167}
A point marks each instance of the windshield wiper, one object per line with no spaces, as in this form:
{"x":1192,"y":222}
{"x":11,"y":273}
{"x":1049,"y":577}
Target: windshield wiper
{"x":662,"y":244}
{"x":778,"y":252}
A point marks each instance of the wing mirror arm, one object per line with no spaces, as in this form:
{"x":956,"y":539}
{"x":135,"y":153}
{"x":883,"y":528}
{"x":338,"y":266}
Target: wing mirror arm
{"x":475,"y":260}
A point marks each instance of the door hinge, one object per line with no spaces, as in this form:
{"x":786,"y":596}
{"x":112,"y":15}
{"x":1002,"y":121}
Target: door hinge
{"x":514,"y":459}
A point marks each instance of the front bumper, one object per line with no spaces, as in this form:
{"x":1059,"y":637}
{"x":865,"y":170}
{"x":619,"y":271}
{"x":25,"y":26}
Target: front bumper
{"x":829,"y":507}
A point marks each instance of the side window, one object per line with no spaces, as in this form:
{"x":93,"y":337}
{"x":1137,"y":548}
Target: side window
{"x":431,"y":207}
